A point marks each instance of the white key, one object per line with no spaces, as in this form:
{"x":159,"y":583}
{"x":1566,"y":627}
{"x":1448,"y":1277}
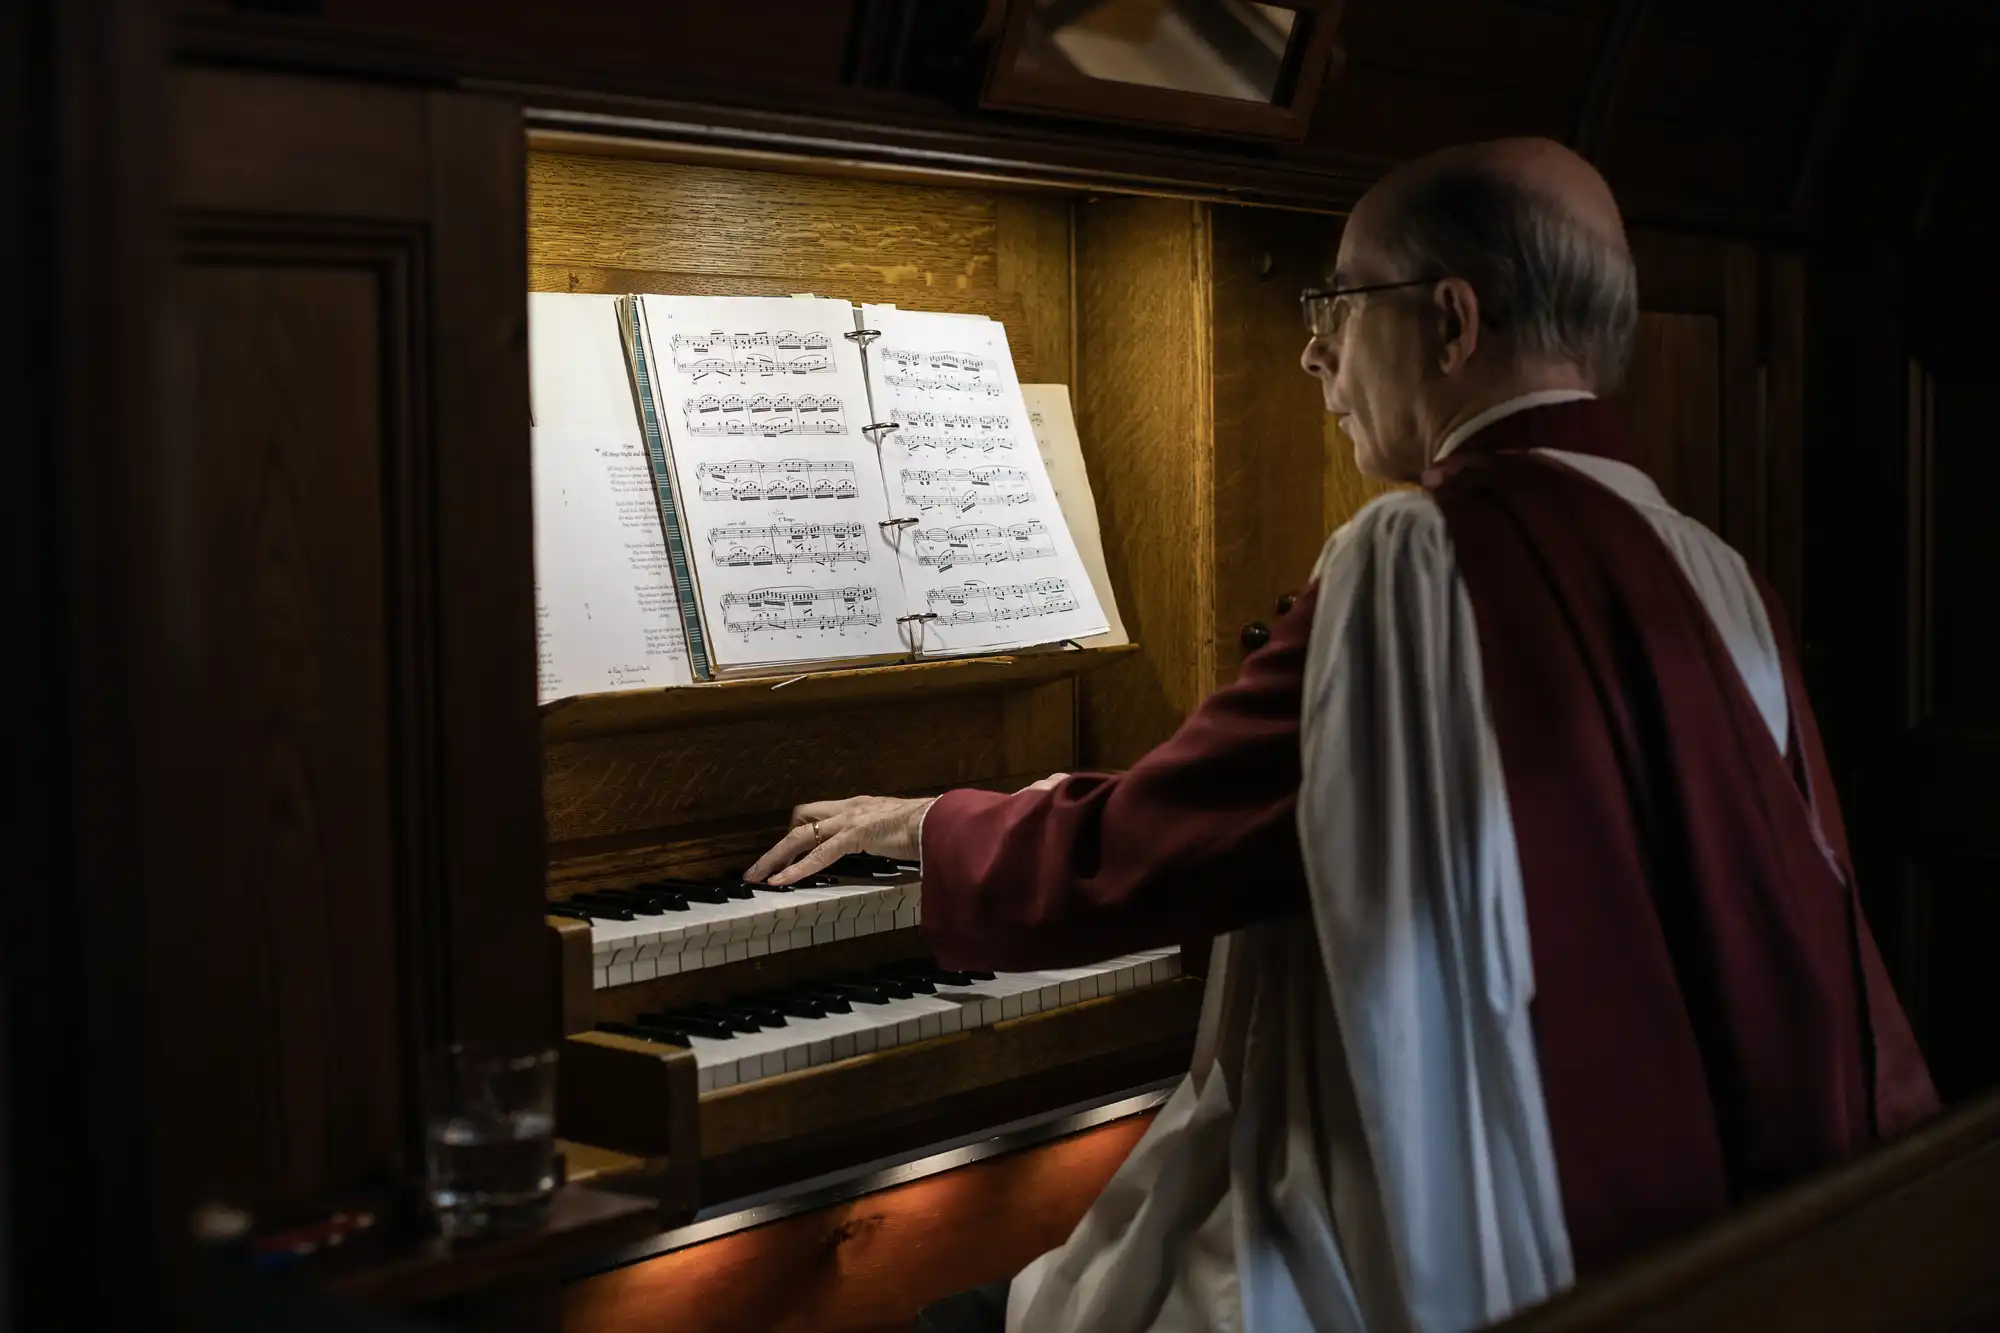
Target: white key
{"x":709,"y":934}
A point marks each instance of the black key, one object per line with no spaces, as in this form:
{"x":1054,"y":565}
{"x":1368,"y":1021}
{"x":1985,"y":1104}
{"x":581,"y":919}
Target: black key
{"x":741,"y":1011}
{"x":762,"y":1008}
{"x":739,"y":1019}
{"x":861,"y":992}
{"x":931,"y":972}
{"x":660,"y":899}
{"x":827,"y":998}
{"x":698,"y":1025}
{"x":646,"y":1032}
{"x":798,"y":1005}
{"x":635,"y":906}
{"x":696,"y":891}
{"x":865,"y":865}
{"x":601,"y":911}
{"x":573,"y":913}
{"x":899,"y":987}
{"x":978,"y":975}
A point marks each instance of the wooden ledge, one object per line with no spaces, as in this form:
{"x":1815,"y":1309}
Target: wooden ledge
{"x":397,"y":1272}
{"x":662,"y":710}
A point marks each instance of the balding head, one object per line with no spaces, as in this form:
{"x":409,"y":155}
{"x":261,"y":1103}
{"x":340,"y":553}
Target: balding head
{"x":1533,"y":228}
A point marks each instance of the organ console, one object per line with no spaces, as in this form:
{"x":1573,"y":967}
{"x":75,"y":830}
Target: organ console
{"x":733,"y":1038}
{"x":278,"y":587}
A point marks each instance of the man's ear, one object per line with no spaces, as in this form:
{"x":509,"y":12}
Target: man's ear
{"x":1457,"y":310}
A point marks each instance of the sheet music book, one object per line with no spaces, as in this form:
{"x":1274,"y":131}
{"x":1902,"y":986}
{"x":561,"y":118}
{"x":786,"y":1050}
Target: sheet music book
{"x":1054,"y":425}
{"x":849,"y":485}
{"x":607,"y":613}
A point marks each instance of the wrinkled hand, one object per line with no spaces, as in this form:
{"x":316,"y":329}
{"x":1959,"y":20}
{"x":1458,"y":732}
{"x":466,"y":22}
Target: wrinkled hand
{"x":825,"y":831}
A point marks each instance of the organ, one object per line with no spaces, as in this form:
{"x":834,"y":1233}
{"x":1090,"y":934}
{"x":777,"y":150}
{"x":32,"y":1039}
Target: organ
{"x":278,"y":681}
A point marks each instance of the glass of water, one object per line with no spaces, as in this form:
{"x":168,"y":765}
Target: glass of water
{"x":490,"y":1139}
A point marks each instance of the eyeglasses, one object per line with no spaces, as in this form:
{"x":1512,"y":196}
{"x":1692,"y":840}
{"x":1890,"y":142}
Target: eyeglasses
{"x":1326,"y":309}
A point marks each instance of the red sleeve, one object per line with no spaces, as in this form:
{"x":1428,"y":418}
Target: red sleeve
{"x":1196,"y":839}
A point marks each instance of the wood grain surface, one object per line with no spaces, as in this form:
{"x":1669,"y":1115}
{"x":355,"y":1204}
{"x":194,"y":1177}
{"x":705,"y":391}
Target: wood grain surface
{"x":867,"y":1265}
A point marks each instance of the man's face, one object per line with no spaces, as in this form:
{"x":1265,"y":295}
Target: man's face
{"x":1372,"y":369}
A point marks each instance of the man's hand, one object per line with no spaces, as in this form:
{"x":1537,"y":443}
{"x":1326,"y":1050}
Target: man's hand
{"x":825,"y":831}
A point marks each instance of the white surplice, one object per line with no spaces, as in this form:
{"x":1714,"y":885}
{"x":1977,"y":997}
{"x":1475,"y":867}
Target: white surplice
{"x":1361,"y":1143}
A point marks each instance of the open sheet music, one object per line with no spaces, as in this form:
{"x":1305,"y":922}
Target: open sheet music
{"x":730,"y":486}
{"x":779,"y":493}
{"x":990,"y":562}
{"x":607,"y":615}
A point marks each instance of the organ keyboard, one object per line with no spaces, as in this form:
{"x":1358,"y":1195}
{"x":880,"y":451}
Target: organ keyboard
{"x":737,"y":1036}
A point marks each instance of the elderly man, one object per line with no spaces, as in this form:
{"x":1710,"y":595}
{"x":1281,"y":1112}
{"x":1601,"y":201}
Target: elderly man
{"x":1530,"y":759}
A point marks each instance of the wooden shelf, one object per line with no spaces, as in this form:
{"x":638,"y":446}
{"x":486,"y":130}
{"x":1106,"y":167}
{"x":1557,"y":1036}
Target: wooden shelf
{"x":661,"y":710}
{"x":394,"y":1271}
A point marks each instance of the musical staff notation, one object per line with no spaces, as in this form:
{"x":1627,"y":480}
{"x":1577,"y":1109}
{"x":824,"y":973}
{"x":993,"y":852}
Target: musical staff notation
{"x":936,"y":384}
{"x":904,"y":358}
{"x":786,"y":544}
{"x":925,"y":419}
{"x":965,"y":488}
{"x":949,"y":445}
{"x":771,"y":415}
{"x":742,"y":355}
{"x":800,"y":609}
{"x":972,"y":603}
{"x":786,"y":479}
{"x":983,"y":544}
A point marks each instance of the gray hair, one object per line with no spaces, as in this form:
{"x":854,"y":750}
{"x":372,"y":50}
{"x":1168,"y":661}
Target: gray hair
{"x":1562,"y":290}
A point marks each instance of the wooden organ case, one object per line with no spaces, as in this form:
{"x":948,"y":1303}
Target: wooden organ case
{"x":1214,"y":495}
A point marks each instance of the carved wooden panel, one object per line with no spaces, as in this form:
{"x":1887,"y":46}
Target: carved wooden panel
{"x":352,"y":870}
{"x":291,"y":1073}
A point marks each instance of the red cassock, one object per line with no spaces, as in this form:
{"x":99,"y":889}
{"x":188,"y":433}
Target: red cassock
{"x":1712,"y":1017}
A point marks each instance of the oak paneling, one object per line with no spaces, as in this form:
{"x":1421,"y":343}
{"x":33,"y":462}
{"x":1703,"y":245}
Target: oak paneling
{"x":866,"y":1266}
{"x":696,"y":775}
{"x":1270,"y":465}
{"x":1145,"y":415}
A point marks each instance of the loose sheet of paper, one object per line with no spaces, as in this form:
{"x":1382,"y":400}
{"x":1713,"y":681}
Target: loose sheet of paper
{"x":763,"y":400}
{"x":605,"y":612}
{"x":990,"y":557}
{"x":1055,"y":437}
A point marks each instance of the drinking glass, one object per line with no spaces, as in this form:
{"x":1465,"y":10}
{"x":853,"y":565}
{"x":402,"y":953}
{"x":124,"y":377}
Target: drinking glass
{"x":490,"y":1138}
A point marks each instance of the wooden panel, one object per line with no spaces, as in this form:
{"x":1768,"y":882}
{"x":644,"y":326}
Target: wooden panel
{"x":1672,"y":407}
{"x":1900,"y":1240}
{"x":295,"y":1088}
{"x":628,"y":784}
{"x":478,"y":605}
{"x":1392,"y":114}
{"x":1145,"y":417}
{"x":1957,"y":431}
{"x":1957,"y":903}
{"x":610,"y":224}
{"x":1270,"y":463}
{"x":866,"y":1266}
{"x":331,"y":148}
{"x":1532,"y":49}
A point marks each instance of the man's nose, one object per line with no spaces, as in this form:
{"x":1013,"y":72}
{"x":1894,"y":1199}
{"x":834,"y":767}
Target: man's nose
{"x":1318,"y":358}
